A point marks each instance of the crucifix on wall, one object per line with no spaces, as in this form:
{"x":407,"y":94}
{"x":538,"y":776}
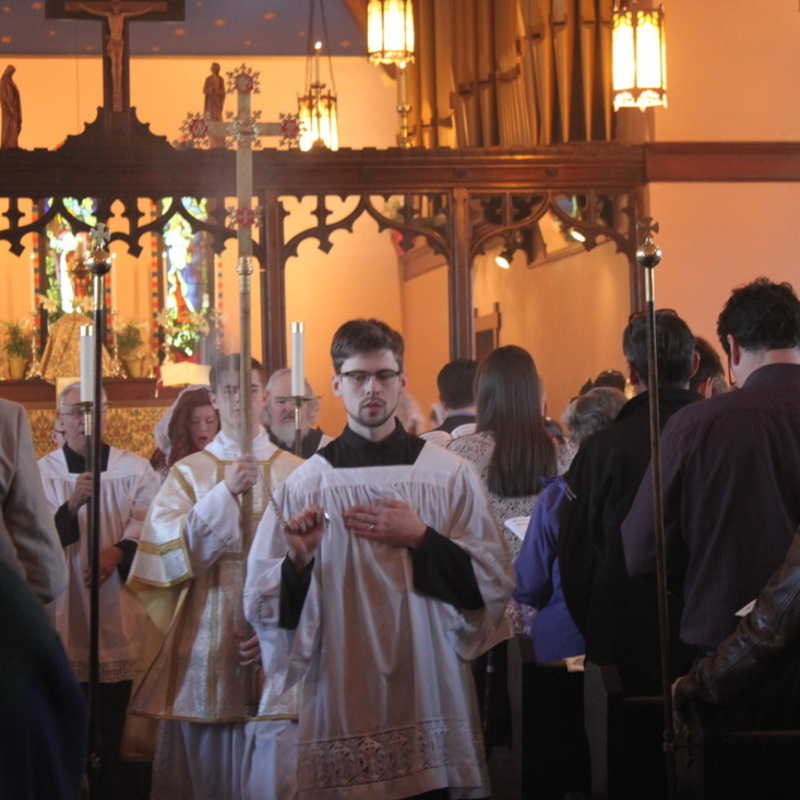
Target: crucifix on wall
{"x":115,"y":15}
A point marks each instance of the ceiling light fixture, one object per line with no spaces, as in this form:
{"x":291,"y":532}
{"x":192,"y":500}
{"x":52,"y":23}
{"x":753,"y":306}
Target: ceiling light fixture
{"x":639,"y":64}
{"x":317,"y":107}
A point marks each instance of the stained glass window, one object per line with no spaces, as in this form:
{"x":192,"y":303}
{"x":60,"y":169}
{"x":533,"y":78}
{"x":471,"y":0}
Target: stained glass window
{"x":186,"y":315}
{"x":63,"y":290}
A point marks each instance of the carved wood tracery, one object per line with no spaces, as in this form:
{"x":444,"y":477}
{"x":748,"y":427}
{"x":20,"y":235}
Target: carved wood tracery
{"x":117,"y":159}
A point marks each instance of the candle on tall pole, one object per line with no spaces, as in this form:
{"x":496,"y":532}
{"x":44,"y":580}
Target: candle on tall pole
{"x":298,"y":376}
{"x":87,"y":363}
{"x":298,"y":385}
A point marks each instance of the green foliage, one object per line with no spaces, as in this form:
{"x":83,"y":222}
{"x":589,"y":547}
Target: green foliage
{"x":18,"y":342}
{"x":129,"y":338}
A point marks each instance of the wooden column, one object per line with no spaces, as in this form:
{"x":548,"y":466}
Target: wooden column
{"x":273,"y":285}
{"x":459,"y":277}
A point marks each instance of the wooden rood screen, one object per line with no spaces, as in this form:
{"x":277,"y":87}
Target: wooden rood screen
{"x":457,"y":200}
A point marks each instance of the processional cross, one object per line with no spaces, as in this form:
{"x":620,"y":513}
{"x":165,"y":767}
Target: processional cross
{"x":244,"y":128}
{"x":115,"y":14}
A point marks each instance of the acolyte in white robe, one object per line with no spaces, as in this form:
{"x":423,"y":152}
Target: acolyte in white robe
{"x":127,"y":488}
{"x":388,"y":707}
{"x":189,"y":573}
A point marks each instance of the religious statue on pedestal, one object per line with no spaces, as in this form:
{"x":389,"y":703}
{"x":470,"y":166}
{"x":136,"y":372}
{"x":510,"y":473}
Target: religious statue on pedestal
{"x":214,"y":91}
{"x":11,"y":108}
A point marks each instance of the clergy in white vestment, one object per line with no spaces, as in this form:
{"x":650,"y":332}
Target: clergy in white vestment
{"x":189,"y":573}
{"x":396,"y":577}
{"x":127,"y":488}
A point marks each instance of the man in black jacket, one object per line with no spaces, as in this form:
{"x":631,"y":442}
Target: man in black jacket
{"x":731,"y":469}
{"x":616,"y":615}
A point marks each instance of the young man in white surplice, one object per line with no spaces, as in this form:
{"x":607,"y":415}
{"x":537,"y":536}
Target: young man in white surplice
{"x":396,"y":576}
{"x":127,"y":488}
{"x":189,"y":573}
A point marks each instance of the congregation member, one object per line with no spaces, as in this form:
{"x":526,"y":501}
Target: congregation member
{"x":189,"y":573}
{"x":709,"y":380}
{"x":43,"y":719}
{"x":749,"y":681}
{"x":279,"y":416}
{"x":741,"y":671}
{"x":456,"y":385}
{"x":28,"y":541}
{"x":127,"y":488}
{"x":511,"y":448}
{"x":561,"y":765}
{"x":513,"y":454}
{"x":396,"y":577}
{"x":617,"y":616}
{"x":187,"y":426}
{"x":552,"y":630}
{"x":731,"y":469}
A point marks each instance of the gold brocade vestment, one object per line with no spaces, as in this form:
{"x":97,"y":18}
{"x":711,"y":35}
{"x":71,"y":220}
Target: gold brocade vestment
{"x":189,"y":574}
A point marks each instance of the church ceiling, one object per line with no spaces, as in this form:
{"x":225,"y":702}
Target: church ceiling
{"x":211,"y":27}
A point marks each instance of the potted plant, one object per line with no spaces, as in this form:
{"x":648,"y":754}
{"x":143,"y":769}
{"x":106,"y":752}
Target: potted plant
{"x":18,"y":347}
{"x":131,"y":348}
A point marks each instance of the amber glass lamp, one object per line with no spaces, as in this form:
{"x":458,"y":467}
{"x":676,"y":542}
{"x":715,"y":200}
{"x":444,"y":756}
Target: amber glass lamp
{"x":639,"y":66}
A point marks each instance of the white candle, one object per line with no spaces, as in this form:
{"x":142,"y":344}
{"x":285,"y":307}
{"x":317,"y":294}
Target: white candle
{"x":298,"y":379}
{"x":33,"y":284}
{"x":87,"y":363}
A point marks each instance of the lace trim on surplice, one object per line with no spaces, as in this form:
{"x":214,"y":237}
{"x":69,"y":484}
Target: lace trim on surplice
{"x":389,"y":755}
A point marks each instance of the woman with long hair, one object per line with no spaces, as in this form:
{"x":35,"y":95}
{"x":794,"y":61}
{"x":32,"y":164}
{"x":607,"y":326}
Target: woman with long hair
{"x":511,"y":447}
{"x":188,"y":426}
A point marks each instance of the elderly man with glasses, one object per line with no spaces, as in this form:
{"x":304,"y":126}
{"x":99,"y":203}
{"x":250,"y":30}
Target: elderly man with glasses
{"x":128,"y":486}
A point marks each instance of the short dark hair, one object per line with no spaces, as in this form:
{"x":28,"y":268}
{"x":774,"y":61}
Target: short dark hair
{"x":232,"y":363}
{"x":674,"y":347}
{"x":611,"y":378}
{"x":710,"y":364}
{"x":365,"y":336}
{"x":456,"y":383}
{"x":761,"y":316}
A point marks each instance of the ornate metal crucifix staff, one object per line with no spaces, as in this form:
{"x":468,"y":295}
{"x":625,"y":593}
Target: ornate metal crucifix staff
{"x":245,"y":130}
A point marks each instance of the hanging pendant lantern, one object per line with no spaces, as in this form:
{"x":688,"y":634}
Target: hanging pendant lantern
{"x":639,"y":68}
{"x":316,"y":107}
{"x":316,"y":110}
{"x":390,"y":32}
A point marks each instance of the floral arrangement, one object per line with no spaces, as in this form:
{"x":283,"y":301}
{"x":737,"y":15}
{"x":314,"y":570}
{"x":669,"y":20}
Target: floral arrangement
{"x":52,"y":305}
{"x":184,"y":332}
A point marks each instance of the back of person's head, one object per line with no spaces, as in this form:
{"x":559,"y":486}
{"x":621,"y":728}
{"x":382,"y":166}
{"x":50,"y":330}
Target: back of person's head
{"x":509,"y":400}
{"x":456,"y":383}
{"x":674,"y":348}
{"x":593,"y":411}
{"x":710,"y":372}
{"x":612,"y":378}
{"x":232,"y":363}
{"x":761,"y":316}
{"x":359,"y":336}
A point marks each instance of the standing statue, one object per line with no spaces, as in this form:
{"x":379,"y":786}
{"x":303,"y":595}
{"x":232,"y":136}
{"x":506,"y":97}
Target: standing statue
{"x":11,"y":108}
{"x":115,"y":16}
{"x":214,"y":91}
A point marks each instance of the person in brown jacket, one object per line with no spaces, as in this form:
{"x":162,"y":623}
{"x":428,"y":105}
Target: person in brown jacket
{"x":29,"y":543}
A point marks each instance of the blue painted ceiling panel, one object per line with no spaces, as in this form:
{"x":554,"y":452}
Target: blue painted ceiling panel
{"x":212,"y":27}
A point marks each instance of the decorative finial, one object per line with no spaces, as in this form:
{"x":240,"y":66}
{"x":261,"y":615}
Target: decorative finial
{"x":648,"y":253}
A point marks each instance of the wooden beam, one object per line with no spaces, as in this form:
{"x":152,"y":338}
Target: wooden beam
{"x":722,"y":161}
{"x":165,"y":172}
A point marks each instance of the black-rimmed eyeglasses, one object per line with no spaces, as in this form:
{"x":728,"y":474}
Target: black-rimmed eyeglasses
{"x":360,"y":377}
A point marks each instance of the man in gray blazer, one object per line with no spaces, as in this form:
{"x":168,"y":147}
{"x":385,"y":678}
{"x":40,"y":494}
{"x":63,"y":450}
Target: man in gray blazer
{"x":28,"y":539}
